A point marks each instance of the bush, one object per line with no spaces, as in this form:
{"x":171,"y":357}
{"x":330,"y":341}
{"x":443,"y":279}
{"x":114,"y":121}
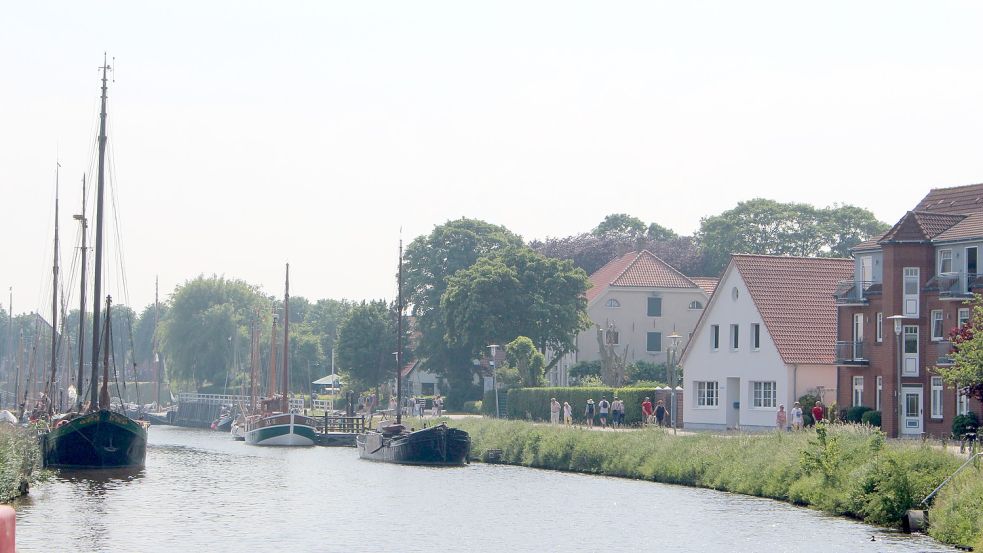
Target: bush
{"x":646,"y":371}
{"x":873,"y":418}
{"x":962,"y":424}
{"x":855,"y":414}
{"x":807,"y":402}
{"x":584,"y":368}
{"x":473,"y":407}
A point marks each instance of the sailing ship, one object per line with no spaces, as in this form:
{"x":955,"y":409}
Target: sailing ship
{"x":276,"y":424}
{"x":93,"y":435}
{"x":436,"y":445}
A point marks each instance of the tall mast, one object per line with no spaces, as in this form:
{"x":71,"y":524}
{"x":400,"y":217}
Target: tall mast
{"x":286,"y":341}
{"x":399,"y":338}
{"x":253,"y":361}
{"x":272,"y":375}
{"x":9,"y":352}
{"x":104,"y":388}
{"x":81,"y":338}
{"x":54,"y":302}
{"x":97,"y":286}
{"x":154,"y":344}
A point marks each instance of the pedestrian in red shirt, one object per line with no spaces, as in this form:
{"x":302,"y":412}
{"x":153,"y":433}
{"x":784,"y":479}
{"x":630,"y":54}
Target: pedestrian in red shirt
{"x":646,"y":411}
{"x":817,"y":411}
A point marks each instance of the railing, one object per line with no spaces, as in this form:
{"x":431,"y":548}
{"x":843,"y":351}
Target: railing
{"x":851,"y":353}
{"x":957,"y":285}
{"x":853,"y":291}
{"x":348,"y":425}
{"x":943,"y":351}
{"x":229,"y":399}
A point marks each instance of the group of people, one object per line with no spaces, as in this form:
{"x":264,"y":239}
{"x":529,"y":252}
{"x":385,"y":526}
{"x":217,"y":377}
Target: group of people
{"x":781,"y":419}
{"x":608,"y":411}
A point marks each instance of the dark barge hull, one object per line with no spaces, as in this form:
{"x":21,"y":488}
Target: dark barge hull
{"x":438,"y":445}
{"x":335,"y":439}
{"x":101,"y":439}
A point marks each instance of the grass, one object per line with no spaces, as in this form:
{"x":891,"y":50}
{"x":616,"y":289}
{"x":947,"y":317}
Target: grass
{"x":20,"y":461}
{"x":848,"y":470}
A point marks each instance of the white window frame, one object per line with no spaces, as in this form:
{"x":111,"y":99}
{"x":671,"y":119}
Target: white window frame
{"x":755,"y":336}
{"x":612,"y":304}
{"x":735,"y":337}
{"x":764,"y":394}
{"x":937,"y":397}
{"x":714,"y":337}
{"x":942,"y":259}
{"x":914,"y":331}
{"x":880,"y":327}
{"x":707,"y":394}
{"x":858,"y":391}
{"x":880,"y":388}
{"x":911,"y":300}
{"x":962,"y":403}
{"x":937,"y":317}
{"x":962,"y":316}
{"x":695,"y":305}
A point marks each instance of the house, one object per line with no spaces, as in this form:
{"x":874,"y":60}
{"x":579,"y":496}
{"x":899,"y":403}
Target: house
{"x":418,"y":381}
{"x":637,"y":300}
{"x":765,"y":339}
{"x":908,"y":290}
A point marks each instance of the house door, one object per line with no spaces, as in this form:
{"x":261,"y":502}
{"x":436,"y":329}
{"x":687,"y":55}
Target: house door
{"x":971,"y":266}
{"x":911,"y":410}
{"x":733,"y":406}
{"x":858,"y":336}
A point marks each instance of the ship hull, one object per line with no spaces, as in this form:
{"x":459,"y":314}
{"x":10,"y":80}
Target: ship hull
{"x":281,"y":430}
{"x":97,"y":440}
{"x":438,"y":445}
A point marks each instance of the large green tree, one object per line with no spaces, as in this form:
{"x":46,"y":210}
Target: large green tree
{"x":516,"y":292}
{"x":966,"y":373}
{"x":522,"y":354}
{"x":620,"y":224}
{"x":763,"y":226}
{"x":430,"y":261}
{"x":366,"y":343}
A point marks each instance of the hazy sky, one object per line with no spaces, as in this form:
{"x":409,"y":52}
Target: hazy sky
{"x":248,"y":134}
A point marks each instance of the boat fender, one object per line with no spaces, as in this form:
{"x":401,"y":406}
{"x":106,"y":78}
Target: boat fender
{"x":60,"y":423}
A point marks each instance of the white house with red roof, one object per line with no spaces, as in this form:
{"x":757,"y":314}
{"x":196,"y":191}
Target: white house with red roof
{"x":765,"y":339}
{"x":638,"y":300}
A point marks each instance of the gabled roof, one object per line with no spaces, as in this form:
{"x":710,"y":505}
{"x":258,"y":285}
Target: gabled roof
{"x":969,"y":228}
{"x":957,"y":200}
{"x":708,"y":284}
{"x":794,"y":296}
{"x":407,"y":369}
{"x":638,"y":270}
{"x":920,"y":226}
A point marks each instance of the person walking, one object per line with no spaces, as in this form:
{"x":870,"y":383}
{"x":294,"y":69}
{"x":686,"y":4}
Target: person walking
{"x":617,"y":411}
{"x":647,"y":411}
{"x":781,"y":418}
{"x":817,"y":411}
{"x":660,"y":413}
{"x":603,"y":407}
{"x":554,"y":411}
{"x":589,"y":413}
{"x":567,"y":413}
{"x":796,"y":416}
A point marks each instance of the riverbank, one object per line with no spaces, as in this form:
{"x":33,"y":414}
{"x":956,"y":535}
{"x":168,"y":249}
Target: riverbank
{"x":20,"y":461}
{"x":843,"y":469}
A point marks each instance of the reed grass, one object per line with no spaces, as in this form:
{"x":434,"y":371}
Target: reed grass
{"x":20,"y":461}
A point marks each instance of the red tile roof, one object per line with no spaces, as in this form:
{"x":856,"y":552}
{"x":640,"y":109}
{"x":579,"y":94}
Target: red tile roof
{"x":638,"y":270}
{"x":956,"y":199}
{"x":795,"y":298}
{"x":969,"y":228}
{"x":708,"y":284}
{"x":920,"y":226}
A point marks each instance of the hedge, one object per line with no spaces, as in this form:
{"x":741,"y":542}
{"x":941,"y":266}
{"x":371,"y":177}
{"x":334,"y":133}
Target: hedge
{"x":534,"y":403}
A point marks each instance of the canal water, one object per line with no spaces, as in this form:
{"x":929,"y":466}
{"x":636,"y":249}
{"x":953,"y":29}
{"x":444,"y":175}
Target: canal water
{"x":201,"y":491}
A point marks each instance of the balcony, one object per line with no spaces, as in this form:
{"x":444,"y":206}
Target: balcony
{"x":954,"y":285}
{"x":851,"y":353}
{"x":855,"y":292}
{"x":943,"y":353}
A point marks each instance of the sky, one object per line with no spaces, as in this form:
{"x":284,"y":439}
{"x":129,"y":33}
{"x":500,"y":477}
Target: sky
{"x":244,"y":135}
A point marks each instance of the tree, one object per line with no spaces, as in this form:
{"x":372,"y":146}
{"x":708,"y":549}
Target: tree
{"x":521,"y":353}
{"x":659,"y":232}
{"x":761,"y":226}
{"x":365,"y":346}
{"x":620,"y":224}
{"x":966,"y":372}
{"x":325,"y":317}
{"x":429,"y":262}
{"x":590,"y":252}
{"x":516,"y":292}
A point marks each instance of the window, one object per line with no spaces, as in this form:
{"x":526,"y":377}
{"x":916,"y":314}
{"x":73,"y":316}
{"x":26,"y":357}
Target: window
{"x":963,"y":316}
{"x":858,"y":391}
{"x":911,"y":284}
{"x":936,"y":324}
{"x":945,"y":261}
{"x":880,"y":387}
{"x":910,"y":350}
{"x":962,"y":404}
{"x":655,"y":307}
{"x":936,"y":397}
{"x":735,"y":336}
{"x":866,"y":268}
{"x":706,"y":394}
{"x":427,"y":389}
{"x":755,"y":336}
{"x":611,"y":337}
{"x":653,"y":342}
{"x":613,"y":303}
{"x":764,"y":395}
{"x":880,"y":327}
{"x":695,"y":305}
{"x":714,"y":337}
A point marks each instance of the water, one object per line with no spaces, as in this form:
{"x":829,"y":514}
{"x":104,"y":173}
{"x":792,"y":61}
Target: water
{"x":201,"y":491}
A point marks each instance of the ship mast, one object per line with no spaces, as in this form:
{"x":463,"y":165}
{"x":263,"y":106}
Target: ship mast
{"x":154,"y":345}
{"x":399,"y":338}
{"x":97,"y":286}
{"x":81,"y":338}
{"x":286,"y":342}
{"x":272,"y":375}
{"x":54,"y":303}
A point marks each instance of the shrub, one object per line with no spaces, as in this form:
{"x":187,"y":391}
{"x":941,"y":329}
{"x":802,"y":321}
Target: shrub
{"x":962,"y":424}
{"x":856,"y":413}
{"x":873,"y":418}
{"x":473,"y":407}
{"x":807,"y":402}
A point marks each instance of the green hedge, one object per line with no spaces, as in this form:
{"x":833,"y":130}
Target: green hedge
{"x":872,"y":418}
{"x":534,"y":403}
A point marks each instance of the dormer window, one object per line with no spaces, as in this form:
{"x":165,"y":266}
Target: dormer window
{"x":695,"y":305}
{"x":613,"y":303}
{"x":945,"y":261}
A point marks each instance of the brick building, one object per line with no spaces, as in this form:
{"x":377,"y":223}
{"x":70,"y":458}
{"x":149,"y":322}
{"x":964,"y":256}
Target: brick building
{"x":909,"y":289}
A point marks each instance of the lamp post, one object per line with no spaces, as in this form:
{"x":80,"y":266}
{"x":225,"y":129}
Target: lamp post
{"x":673,"y":349}
{"x":899,"y":405}
{"x":491,"y":364}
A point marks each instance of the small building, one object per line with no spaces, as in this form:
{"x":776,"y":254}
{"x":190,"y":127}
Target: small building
{"x":418,"y":381}
{"x":765,"y":339}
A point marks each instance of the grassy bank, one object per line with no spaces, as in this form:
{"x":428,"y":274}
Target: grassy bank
{"x":20,"y":461}
{"x":842,"y":470}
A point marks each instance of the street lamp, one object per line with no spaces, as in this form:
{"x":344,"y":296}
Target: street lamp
{"x":491,"y":364}
{"x":899,"y":406}
{"x":673,"y":350}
